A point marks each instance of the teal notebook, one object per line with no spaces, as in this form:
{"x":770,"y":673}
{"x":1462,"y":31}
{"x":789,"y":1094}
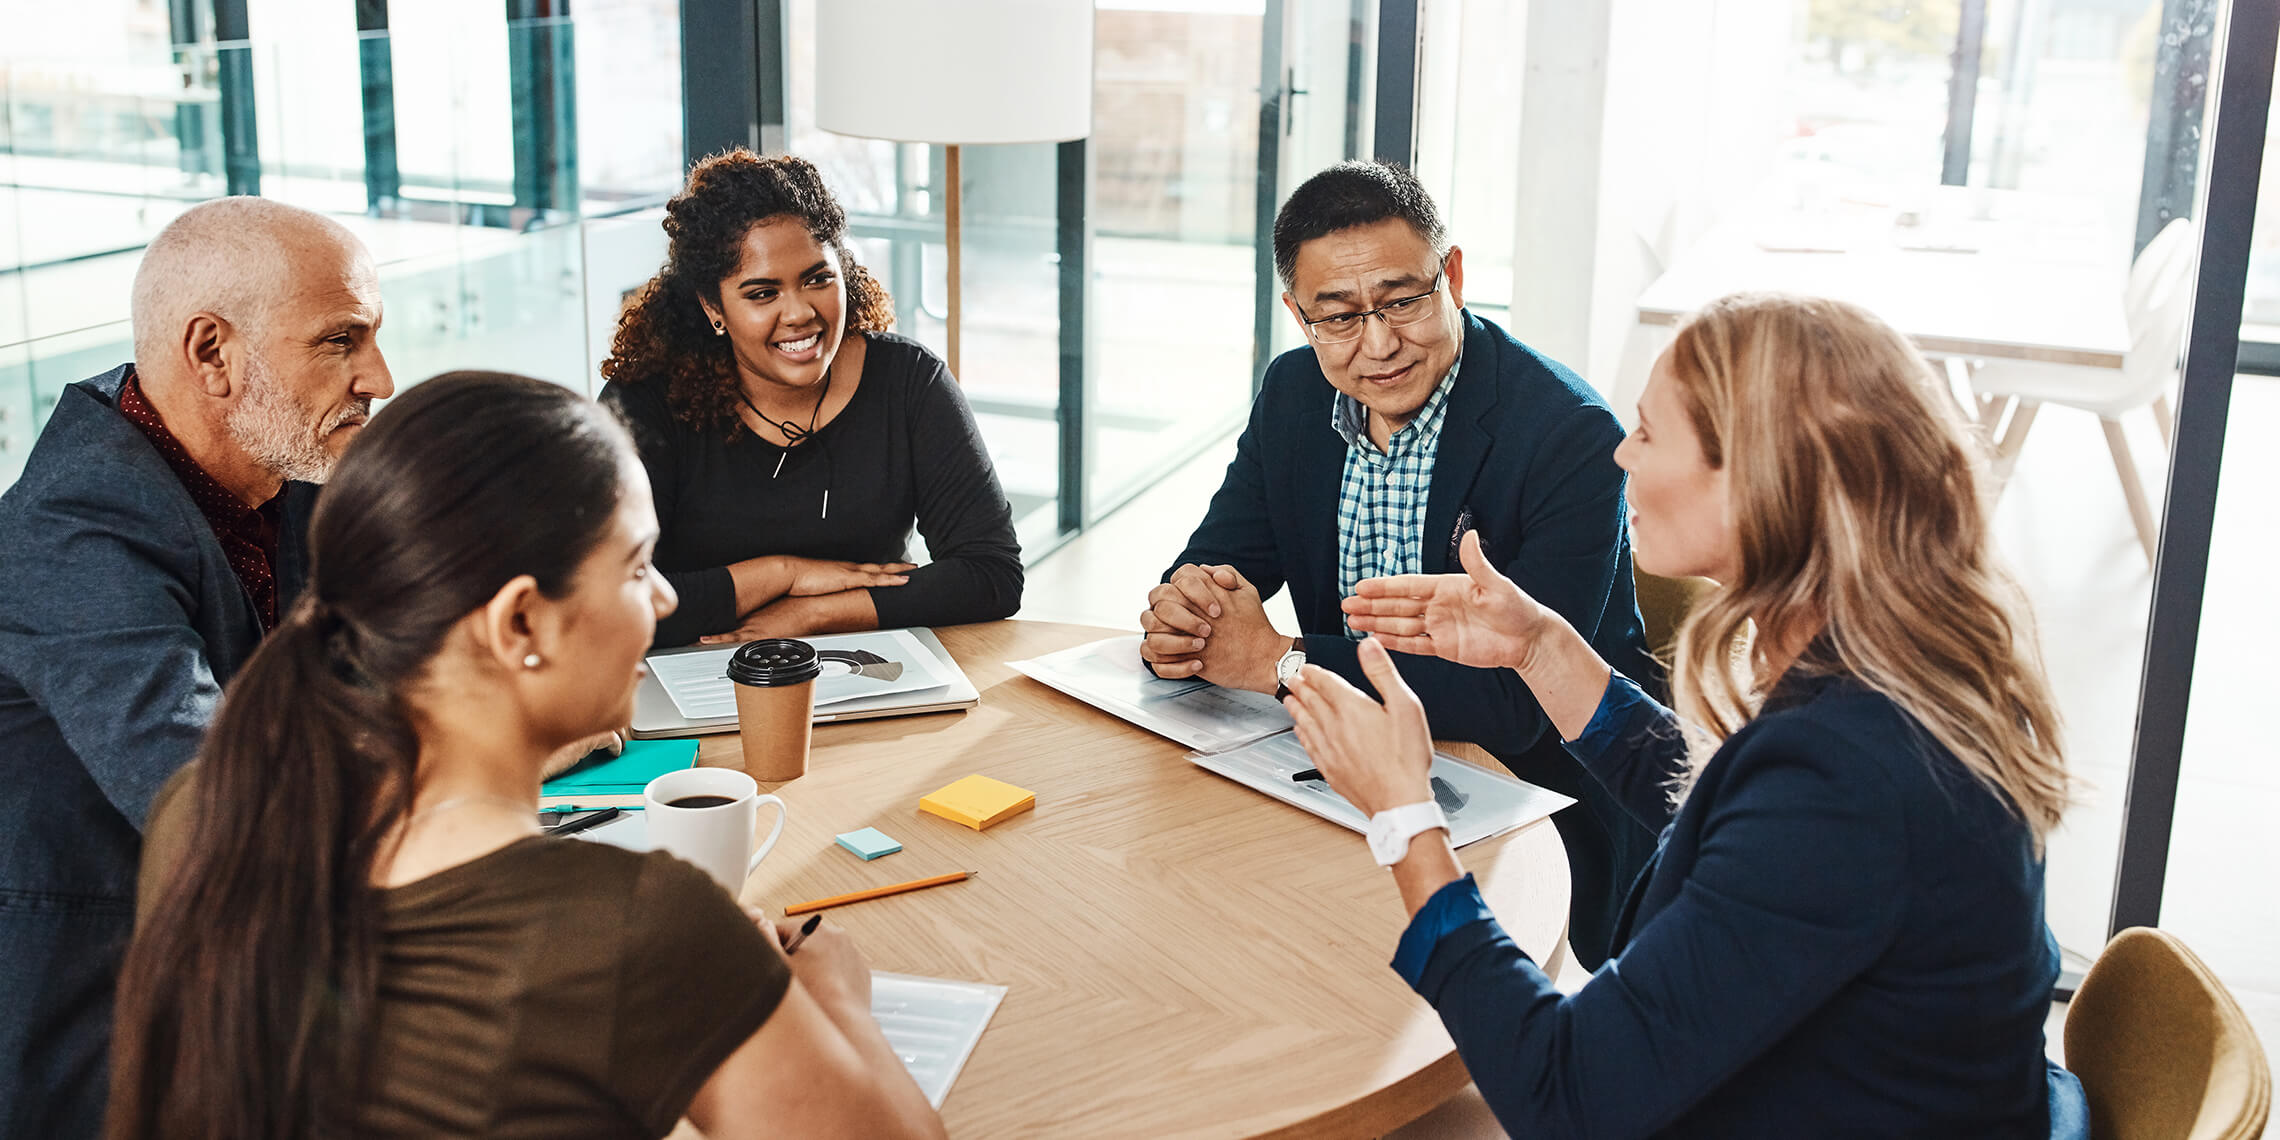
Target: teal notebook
{"x":627,"y":774}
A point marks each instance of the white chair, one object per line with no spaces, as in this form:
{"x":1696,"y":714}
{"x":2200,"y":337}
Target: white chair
{"x":2156,"y":303}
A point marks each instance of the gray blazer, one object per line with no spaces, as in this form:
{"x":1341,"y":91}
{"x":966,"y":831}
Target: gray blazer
{"x":120,"y":620}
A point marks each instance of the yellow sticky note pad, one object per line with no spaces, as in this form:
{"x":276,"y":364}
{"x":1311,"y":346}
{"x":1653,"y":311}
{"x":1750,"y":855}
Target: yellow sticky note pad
{"x":978,"y":801}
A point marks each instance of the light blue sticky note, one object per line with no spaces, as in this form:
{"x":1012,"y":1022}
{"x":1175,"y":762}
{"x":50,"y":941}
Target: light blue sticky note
{"x":870,"y":843}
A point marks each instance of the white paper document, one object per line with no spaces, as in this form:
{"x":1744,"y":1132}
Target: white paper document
{"x":933,"y":1024}
{"x":1108,"y":675}
{"x":855,"y":665}
{"x":1478,"y":802}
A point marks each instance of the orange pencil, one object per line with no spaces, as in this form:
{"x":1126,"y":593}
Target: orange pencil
{"x":876,"y":892}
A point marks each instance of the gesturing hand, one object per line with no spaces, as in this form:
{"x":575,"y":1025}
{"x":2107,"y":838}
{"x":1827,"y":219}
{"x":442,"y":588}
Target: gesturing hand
{"x":814,"y":576}
{"x":1476,"y":618}
{"x":1376,"y":756}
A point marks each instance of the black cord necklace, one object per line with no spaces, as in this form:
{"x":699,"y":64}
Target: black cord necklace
{"x":794,"y":434}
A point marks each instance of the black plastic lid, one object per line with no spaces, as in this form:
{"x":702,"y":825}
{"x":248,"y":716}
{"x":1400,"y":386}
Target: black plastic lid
{"x":774,"y":661}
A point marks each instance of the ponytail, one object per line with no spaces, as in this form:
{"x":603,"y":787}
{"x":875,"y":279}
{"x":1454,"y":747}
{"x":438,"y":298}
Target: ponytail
{"x":246,"y":1003}
{"x":257,"y":963}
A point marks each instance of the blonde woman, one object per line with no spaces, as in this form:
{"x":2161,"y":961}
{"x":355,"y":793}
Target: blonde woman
{"x":1842,"y":933}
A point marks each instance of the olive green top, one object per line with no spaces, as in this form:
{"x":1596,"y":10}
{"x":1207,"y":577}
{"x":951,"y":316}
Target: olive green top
{"x":553,"y":988}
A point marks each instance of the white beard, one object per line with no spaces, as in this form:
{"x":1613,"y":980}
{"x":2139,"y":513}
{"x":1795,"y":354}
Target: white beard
{"x":286,"y":438}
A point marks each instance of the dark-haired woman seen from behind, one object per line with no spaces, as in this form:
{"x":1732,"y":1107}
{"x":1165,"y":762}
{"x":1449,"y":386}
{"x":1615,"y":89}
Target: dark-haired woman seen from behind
{"x":791,"y":440}
{"x":349,"y":924}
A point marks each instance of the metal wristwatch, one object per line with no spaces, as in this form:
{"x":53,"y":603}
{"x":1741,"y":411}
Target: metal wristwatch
{"x":1288,"y":665}
{"x":1392,"y":829}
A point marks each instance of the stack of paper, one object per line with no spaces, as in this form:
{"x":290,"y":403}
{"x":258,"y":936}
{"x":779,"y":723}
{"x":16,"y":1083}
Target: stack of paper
{"x":1108,"y":675}
{"x":978,"y":801}
{"x":855,"y":666}
{"x":629,"y":774}
{"x":1478,"y":802}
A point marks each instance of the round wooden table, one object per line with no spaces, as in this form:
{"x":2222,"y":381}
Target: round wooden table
{"x":1183,"y":956}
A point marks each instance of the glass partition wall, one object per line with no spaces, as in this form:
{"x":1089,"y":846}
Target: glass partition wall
{"x":506,"y":166}
{"x":508,"y":194}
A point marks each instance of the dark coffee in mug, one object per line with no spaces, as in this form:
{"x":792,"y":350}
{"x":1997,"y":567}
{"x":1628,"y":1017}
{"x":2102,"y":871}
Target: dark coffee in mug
{"x":699,"y":802}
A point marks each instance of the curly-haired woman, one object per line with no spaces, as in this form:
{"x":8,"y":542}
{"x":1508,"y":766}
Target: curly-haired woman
{"x":791,"y":440}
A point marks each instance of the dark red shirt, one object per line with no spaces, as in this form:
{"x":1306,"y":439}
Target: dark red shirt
{"x":248,"y":534}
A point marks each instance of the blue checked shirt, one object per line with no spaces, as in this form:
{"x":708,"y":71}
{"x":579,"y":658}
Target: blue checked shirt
{"x":1381,"y":496}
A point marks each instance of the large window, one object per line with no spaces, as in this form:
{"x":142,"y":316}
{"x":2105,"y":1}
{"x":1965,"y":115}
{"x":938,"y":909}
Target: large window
{"x":1981,"y":173}
{"x":502,"y":164}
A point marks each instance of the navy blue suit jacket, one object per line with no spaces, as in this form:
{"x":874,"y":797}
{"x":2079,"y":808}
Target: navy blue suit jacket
{"x":120,"y":621}
{"x":1527,"y":459}
{"x":1841,"y":935}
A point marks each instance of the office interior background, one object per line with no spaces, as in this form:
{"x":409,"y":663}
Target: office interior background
{"x":1992,"y":166}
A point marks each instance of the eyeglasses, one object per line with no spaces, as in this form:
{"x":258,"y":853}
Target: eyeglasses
{"x":1338,"y":328}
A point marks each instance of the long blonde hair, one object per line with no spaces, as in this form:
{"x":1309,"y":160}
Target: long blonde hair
{"x":1856,"y":491}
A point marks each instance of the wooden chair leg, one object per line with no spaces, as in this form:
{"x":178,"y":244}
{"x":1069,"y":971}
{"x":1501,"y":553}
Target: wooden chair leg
{"x":1956,"y":372}
{"x":2014,"y":438}
{"x":2164,"y":420}
{"x":1991,"y":409}
{"x":2133,"y":491}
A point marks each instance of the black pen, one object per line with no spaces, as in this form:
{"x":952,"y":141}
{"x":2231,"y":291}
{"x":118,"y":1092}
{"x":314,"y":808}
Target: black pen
{"x":800,"y":935}
{"x":1309,"y":774}
{"x":596,"y":819}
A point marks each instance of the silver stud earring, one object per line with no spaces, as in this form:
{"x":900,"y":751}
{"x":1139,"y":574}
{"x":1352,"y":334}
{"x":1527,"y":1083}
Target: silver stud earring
{"x":532,"y":662}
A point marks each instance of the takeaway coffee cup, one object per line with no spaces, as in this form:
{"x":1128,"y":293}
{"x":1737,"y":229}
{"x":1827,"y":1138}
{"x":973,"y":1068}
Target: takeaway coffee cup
{"x":775,"y":705}
{"x":707,"y":816}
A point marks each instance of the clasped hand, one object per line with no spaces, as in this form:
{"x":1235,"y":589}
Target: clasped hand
{"x":1209,"y":622}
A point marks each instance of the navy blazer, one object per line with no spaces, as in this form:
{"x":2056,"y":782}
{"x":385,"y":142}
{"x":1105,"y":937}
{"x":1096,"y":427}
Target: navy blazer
{"x":120,"y":620}
{"x":1841,"y":935}
{"x":1526,"y":458}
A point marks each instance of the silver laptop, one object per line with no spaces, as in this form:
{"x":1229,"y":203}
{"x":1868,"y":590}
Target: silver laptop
{"x":849,"y":659}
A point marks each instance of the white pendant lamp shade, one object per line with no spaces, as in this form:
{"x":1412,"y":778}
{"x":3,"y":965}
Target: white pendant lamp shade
{"x":955,"y":72}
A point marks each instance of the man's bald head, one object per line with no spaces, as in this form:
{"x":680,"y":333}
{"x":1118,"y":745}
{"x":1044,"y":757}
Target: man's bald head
{"x":236,"y":258}
{"x":256,"y":340}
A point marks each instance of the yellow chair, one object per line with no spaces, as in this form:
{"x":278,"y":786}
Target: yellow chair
{"x":2162,"y":1049}
{"x":1663,"y":604}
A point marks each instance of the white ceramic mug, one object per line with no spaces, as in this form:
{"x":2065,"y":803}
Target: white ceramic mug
{"x":717,"y":837}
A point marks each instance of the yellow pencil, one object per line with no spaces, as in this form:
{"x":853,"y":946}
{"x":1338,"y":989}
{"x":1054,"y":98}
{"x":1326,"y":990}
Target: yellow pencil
{"x":876,"y":892}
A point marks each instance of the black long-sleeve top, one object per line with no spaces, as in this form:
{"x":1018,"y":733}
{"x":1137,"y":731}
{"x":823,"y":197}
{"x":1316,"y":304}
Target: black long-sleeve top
{"x":905,"y":450}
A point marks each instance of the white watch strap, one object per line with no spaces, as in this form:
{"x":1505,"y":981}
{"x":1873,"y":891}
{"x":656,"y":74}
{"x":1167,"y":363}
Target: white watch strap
{"x":1392,"y":830}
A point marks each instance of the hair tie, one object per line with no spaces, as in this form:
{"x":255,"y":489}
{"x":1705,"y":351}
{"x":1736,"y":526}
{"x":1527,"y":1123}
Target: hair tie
{"x":337,"y":635}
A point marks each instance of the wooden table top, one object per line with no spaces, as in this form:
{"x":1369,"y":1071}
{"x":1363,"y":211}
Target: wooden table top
{"x":1184,"y":957}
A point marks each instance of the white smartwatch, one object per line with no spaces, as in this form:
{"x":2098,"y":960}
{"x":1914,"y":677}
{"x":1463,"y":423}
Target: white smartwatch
{"x":1392,"y":829}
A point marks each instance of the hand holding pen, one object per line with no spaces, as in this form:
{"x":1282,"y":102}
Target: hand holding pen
{"x":827,"y":964}
{"x":798,"y":936}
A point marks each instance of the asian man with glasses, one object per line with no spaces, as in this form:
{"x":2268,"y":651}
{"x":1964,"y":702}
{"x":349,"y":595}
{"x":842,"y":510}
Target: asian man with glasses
{"x":1405,"y":422}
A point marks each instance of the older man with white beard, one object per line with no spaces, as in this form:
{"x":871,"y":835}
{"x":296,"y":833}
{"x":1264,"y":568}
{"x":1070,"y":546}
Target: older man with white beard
{"x":152,"y":539}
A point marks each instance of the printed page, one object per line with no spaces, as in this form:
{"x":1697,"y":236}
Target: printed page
{"x":1108,"y":676}
{"x":1478,"y":802}
{"x":933,"y":1024}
